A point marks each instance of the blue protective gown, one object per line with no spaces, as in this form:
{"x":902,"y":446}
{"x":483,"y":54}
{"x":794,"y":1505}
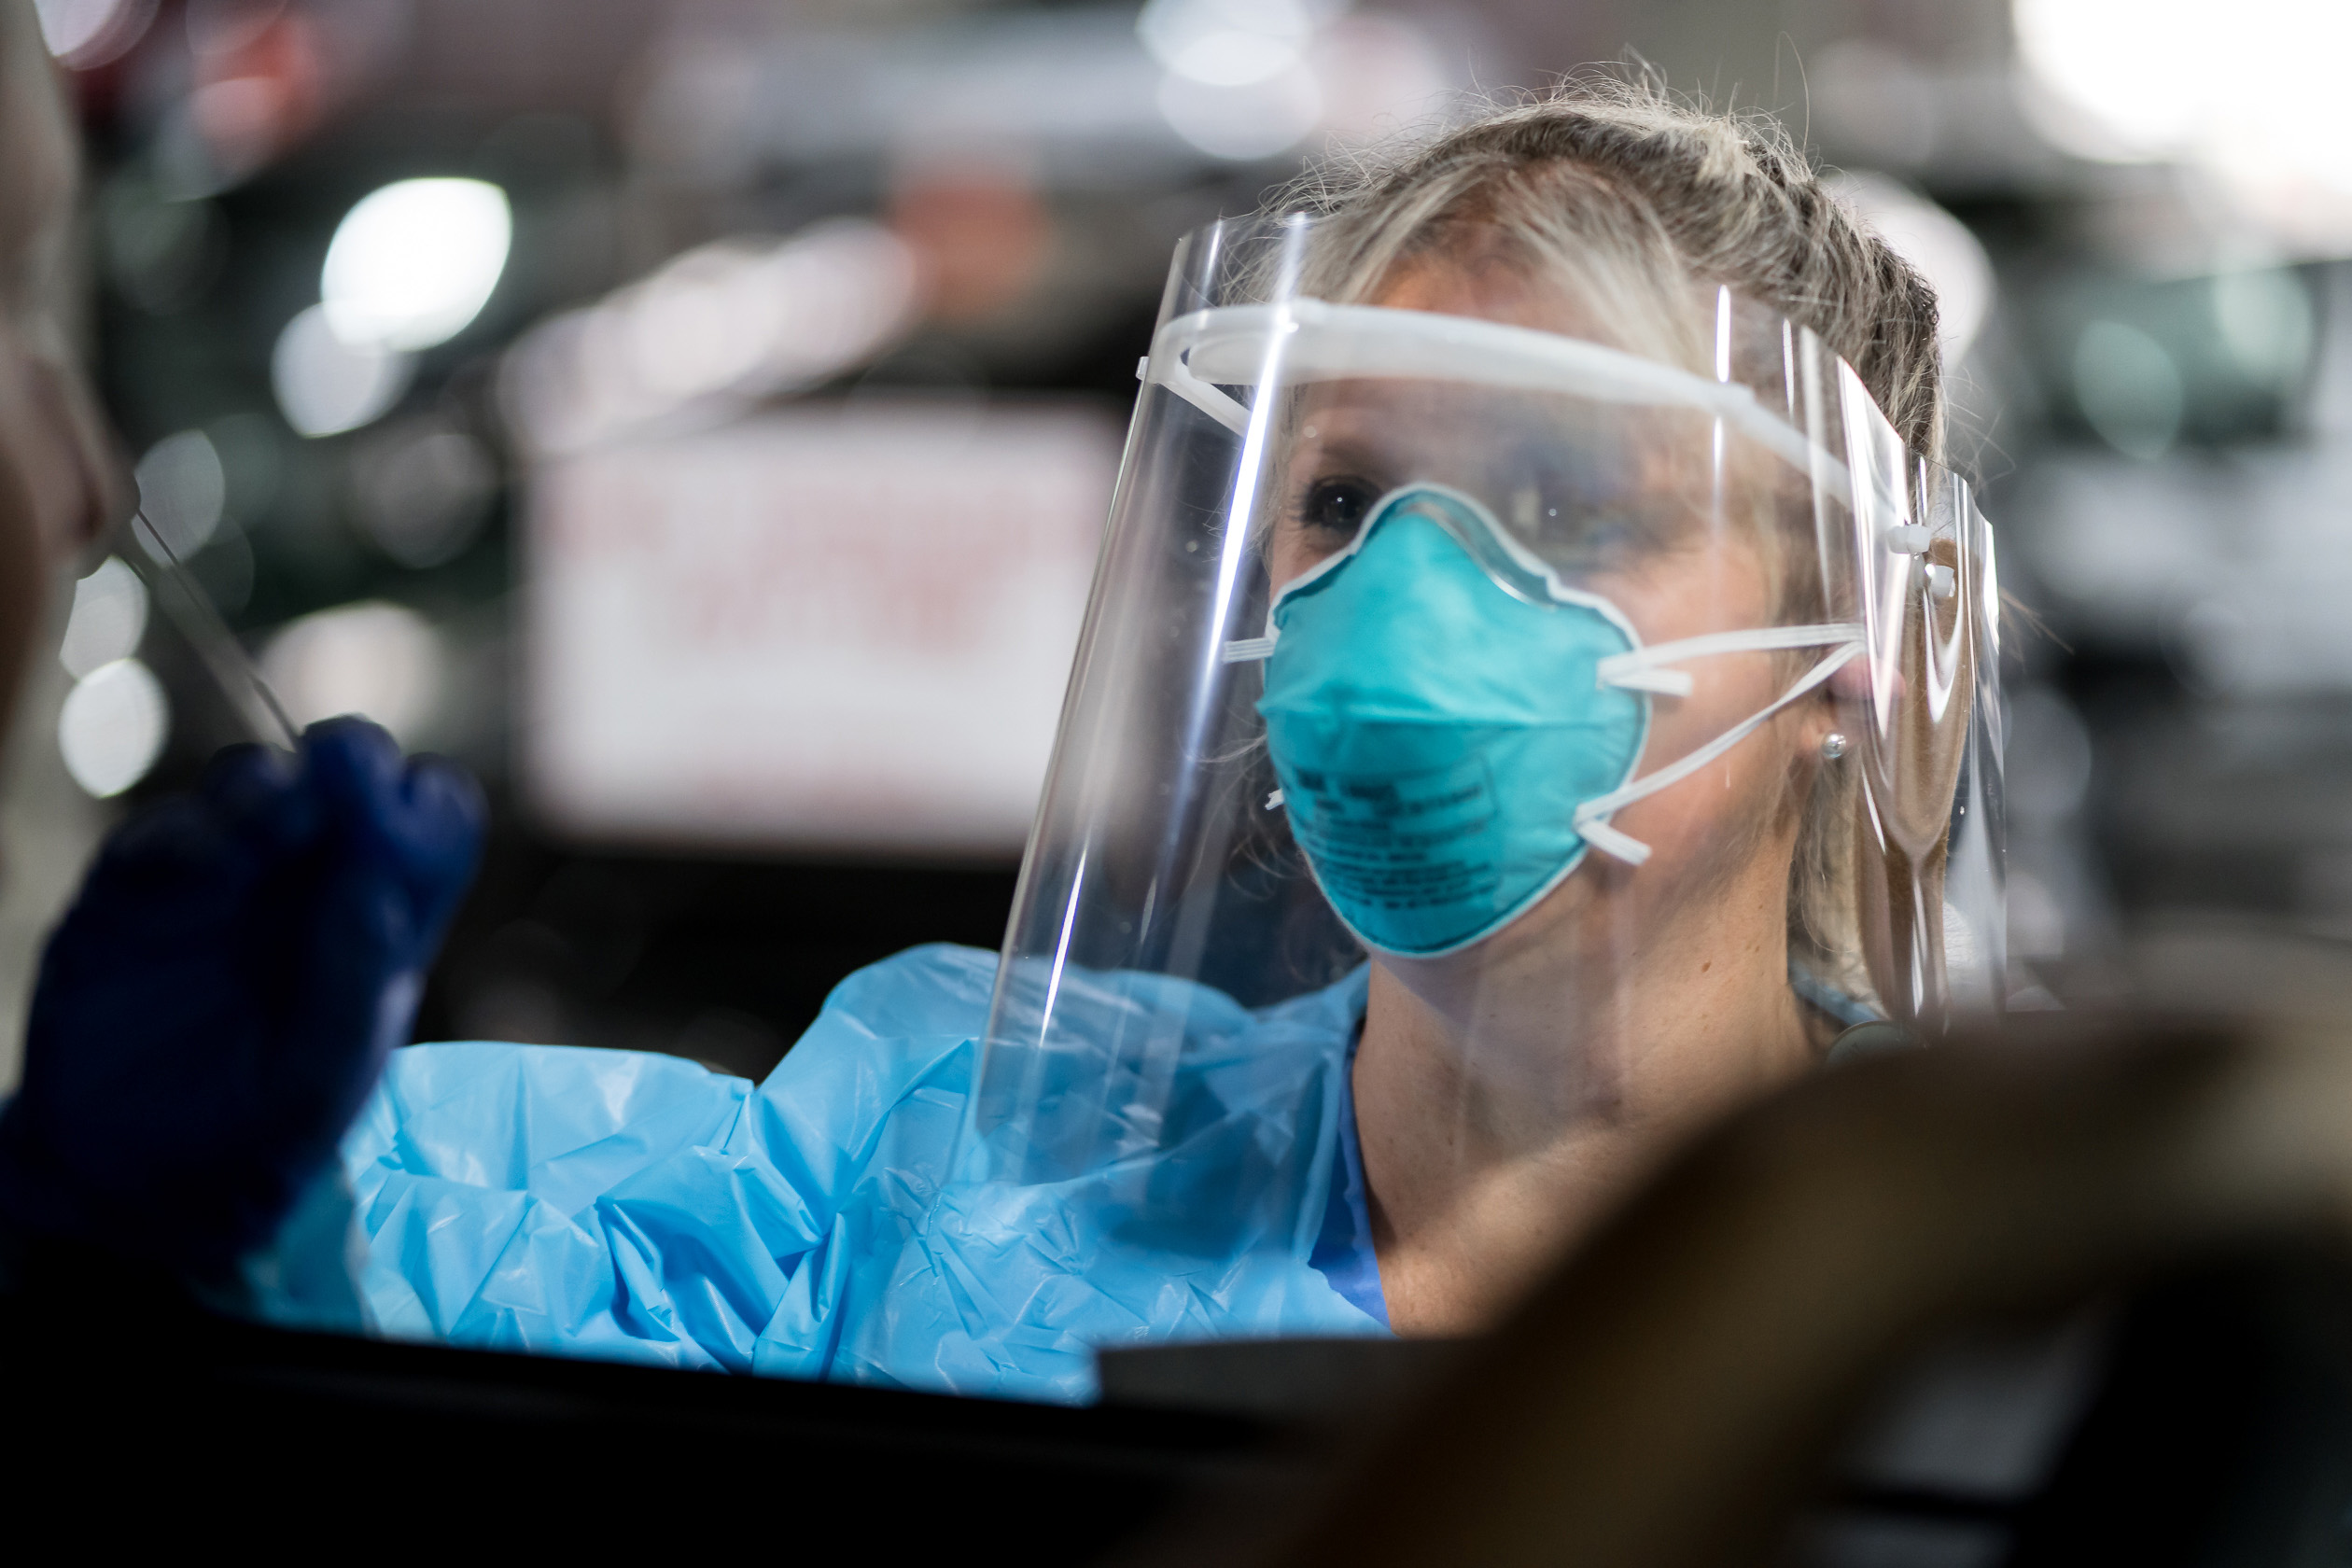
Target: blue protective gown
{"x":622,"y":1204}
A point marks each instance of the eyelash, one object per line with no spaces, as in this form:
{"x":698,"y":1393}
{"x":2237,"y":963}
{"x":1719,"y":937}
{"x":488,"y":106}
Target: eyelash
{"x":1304,"y":508}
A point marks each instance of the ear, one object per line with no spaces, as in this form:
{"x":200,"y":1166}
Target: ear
{"x":1821,"y":714}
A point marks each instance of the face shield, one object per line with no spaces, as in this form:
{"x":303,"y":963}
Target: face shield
{"x":1551,"y":662}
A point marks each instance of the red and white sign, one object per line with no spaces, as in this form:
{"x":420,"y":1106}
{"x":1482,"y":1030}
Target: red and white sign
{"x":833,"y":627}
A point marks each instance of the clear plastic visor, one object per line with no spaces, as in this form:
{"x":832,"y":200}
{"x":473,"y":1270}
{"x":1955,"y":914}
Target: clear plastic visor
{"x":1602,"y":698}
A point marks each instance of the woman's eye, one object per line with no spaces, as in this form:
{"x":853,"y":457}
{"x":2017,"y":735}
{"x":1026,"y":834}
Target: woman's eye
{"x":1338,"y":506}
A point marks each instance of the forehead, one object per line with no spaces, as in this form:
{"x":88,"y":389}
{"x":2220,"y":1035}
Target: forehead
{"x":1462,"y":422}
{"x":1486,"y":283}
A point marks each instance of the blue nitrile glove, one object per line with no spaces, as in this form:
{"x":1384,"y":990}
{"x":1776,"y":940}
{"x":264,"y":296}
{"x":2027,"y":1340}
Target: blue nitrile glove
{"x":219,"y":1001}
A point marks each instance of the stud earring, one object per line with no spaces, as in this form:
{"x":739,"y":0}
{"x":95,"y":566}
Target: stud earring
{"x":1833,"y":745}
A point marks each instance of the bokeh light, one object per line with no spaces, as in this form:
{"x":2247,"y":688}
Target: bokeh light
{"x":1238,"y":83}
{"x":88,"y":34}
{"x":413,"y":263}
{"x":113,"y":727}
{"x":721,"y":323}
{"x":2129,"y":388}
{"x":424,"y":490}
{"x":1948,"y":256}
{"x":2253,"y":90}
{"x":2266,"y":322}
{"x":183,"y":490}
{"x":1227,"y":43}
{"x":110,"y":617}
{"x":1243,"y":123}
{"x":382,"y":660}
{"x":325,"y":385}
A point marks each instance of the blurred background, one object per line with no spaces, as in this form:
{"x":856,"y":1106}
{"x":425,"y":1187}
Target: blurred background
{"x":698,"y":416}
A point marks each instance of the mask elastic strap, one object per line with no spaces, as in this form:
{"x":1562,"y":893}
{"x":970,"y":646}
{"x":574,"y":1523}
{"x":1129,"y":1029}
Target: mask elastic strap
{"x":1642,"y":670}
{"x":1591,"y":817}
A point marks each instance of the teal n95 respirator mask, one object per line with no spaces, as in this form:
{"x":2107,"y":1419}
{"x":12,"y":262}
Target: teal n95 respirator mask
{"x":1453,"y":727}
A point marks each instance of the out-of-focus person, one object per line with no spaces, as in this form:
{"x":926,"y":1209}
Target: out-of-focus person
{"x":224,"y":990}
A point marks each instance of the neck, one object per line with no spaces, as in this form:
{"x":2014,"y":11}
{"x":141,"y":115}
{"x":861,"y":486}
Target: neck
{"x":1506,"y":1095}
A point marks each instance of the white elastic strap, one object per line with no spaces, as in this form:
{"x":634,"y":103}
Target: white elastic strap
{"x":1247,"y":650}
{"x":1273,"y":800}
{"x":1591,"y":816}
{"x":1641,"y":669}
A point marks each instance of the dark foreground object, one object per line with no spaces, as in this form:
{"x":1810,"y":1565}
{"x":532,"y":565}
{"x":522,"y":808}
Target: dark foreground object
{"x":2223,"y":1434}
{"x":1692,"y":1390}
{"x":1681,"y":1393}
{"x":2216,"y":1432}
{"x":206,"y":1429}
{"x":2216,"y":1429}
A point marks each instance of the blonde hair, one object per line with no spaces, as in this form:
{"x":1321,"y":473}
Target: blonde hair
{"x":1664,"y":188}
{"x":1636,"y":200}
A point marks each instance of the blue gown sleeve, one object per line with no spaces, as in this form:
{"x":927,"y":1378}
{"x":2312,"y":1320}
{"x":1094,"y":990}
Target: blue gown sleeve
{"x":634,"y":1206}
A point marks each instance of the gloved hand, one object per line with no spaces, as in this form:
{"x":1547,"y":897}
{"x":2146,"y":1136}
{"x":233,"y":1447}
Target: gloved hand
{"x":217,"y":1003}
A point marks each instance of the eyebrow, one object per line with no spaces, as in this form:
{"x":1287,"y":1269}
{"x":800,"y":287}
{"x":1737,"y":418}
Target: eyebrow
{"x":1350,"y":449}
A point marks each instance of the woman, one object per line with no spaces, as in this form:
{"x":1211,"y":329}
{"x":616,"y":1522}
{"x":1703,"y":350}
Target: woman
{"x":1533,"y":461}
{"x":1617,"y":669}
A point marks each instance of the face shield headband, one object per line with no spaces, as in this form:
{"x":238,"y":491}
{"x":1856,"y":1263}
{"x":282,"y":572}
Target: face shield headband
{"x":1303,"y":341}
